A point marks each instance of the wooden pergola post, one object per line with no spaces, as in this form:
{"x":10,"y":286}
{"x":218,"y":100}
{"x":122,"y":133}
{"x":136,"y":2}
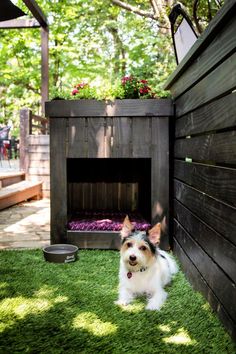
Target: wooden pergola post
{"x":40,"y":21}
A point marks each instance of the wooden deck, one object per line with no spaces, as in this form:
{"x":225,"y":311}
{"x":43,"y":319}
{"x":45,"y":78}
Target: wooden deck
{"x":15,"y":189}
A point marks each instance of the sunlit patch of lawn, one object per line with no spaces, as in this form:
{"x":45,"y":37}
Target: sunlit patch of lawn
{"x":69,"y":308}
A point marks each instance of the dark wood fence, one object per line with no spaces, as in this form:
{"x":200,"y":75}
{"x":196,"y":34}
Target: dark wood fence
{"x":204,"y":174}
{"x":34,"y":148}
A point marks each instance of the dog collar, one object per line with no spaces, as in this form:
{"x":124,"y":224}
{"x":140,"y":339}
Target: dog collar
{"x":130,"y":274}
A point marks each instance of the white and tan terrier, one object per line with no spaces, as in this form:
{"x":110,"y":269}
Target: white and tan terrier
{"x":144,"y":268}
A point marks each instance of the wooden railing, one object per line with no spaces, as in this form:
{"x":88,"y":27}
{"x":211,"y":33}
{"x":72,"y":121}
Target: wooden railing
{"x":34,"y":147}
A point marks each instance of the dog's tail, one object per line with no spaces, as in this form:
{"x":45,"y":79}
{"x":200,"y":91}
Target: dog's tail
{"x":171,"y":262}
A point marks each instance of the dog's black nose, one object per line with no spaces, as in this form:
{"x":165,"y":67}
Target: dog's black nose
{"x":132,"y":258}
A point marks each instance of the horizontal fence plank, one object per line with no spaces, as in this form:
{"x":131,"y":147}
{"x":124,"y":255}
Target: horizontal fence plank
{"x":222,"y":46}
{"x":219,"y":216}
{"x":117,"y":108}
{"x":219,"y":249}
{"x":40,"y":171}
{"x":38,"y":149}
{"x":220,"y":148}
{"x":221,"y":285}
{"x":219,"y":82}
{"x":38,"y":140}
{"x":37,"y":163}
{"x":200,"y":284}
{"x":219,"y":114}
{"x":217,"y":182}
{"x":37,"y":156}
{"x":218,"y":22}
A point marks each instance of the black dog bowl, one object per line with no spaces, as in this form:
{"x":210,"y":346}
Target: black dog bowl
{"x":60,"y":253}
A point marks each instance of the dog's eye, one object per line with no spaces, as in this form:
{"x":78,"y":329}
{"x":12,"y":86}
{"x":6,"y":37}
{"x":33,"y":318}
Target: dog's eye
{"x":143,"y":248}
{"x":129,"y":244}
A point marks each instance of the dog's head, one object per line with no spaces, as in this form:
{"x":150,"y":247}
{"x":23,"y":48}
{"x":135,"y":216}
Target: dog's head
{"x":139,"y":248}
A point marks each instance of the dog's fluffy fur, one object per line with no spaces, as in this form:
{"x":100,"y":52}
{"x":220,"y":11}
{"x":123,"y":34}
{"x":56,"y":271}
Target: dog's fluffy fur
{"x":144,"y":268}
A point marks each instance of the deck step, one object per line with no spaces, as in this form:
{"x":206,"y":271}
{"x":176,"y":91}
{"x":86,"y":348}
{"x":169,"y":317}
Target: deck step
{"x":18,"y":192}
{"x":8,"y":178}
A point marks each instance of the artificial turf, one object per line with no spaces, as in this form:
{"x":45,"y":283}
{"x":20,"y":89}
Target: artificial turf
{"x":69,"y":308}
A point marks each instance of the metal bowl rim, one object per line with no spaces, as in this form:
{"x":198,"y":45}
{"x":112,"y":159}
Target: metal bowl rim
{"x":58,"y":245}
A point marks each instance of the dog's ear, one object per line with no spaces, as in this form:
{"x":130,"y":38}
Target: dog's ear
{"x":127,"y":227}
{"x":154,"y":234}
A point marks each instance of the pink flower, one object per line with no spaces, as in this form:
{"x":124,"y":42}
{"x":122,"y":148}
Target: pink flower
{"x":74,"y":92}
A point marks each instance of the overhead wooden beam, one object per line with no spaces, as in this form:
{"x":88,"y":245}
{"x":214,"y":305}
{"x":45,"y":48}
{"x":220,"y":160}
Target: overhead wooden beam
{"x":36,"y":12}
{"x":19,"y":23}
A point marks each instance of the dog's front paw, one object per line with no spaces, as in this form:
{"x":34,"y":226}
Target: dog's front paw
{"x":153,"y":307}
{"x":121,"y":302}
{"x":156,"y":302}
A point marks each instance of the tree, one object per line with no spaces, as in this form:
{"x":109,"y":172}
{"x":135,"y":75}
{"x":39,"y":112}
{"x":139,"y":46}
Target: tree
{"x":98,"y":41}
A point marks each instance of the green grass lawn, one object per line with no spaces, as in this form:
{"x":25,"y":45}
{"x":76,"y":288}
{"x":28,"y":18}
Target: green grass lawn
{"x":69,"y":308}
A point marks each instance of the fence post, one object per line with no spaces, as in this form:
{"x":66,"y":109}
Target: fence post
{"x":25,"y":119}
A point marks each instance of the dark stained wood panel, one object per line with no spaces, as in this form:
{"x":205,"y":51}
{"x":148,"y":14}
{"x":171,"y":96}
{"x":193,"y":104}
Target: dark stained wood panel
{"x":160,"y":163}
{"x":220,"y":148}
{"x":141,"y":137}
{"x":117,"y":108}
{"x":122,"y":137}
{"x":221,"y":217}
{"x":216,"y":181}
{"x":201,"y":285}
{"x":215,"y":245}
{"x":94,"y":240}
{"x":221,"y":285}
{"x":222,"y":45}
{"x":219,"y":114}
{"x":58,"y":184}
{"x":77,"y":138}
{"x":222,"y":18}
{"x":96,"y":137}
{"x":220,"y":81}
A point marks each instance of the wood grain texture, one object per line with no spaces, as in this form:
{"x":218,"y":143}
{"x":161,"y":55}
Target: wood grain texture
{"x":201,"y":285}
{"x":219,"y":216}
{"x":219,"y":114}
{"x":222,"y":18}
{"x":217,"y":247}
{"x":220,"y":81}
{"x":118,"y":108}
{"x":222,"y":46}
{"x":58,"y":180}
{"x":220,"y":284}
{"x":94,"y":240}
{"x":77,"y":138}
{"x":217,"y":182}
{"x":220,"y":148}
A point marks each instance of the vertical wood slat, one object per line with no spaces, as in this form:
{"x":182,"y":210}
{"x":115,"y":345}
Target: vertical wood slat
{"x":25,"y":117}
{"x":58,"y":185}
{"x":122,"y":132}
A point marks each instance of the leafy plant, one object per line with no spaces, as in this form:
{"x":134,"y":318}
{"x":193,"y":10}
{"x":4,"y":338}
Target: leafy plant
{"x":127,"y":87}
{"x":134,"y":88}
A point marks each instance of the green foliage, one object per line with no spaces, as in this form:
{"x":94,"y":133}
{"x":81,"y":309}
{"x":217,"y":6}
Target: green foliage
{"x":69,"y":308}
{"x":88,"y":41}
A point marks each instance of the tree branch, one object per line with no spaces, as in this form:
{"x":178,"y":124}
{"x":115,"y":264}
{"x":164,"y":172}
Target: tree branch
{"x":138,"y":11}
{"x":133,"y":9}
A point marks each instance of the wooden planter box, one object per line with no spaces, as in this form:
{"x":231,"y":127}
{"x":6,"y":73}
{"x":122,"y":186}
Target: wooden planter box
{"x":90,"y":129}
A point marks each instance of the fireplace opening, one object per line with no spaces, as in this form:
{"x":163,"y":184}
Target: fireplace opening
{"x":102,"y":191}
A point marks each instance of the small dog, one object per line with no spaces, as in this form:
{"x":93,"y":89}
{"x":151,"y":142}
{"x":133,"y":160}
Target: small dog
{"x":144,"y":268}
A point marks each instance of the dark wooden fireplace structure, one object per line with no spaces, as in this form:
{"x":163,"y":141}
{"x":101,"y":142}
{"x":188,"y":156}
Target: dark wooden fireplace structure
{"x":107,"y":157}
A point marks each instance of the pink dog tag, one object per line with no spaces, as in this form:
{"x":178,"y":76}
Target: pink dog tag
{"x":129,"y":275}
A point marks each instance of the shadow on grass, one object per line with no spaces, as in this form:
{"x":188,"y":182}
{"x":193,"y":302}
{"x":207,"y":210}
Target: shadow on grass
{"x":57,"y":308}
